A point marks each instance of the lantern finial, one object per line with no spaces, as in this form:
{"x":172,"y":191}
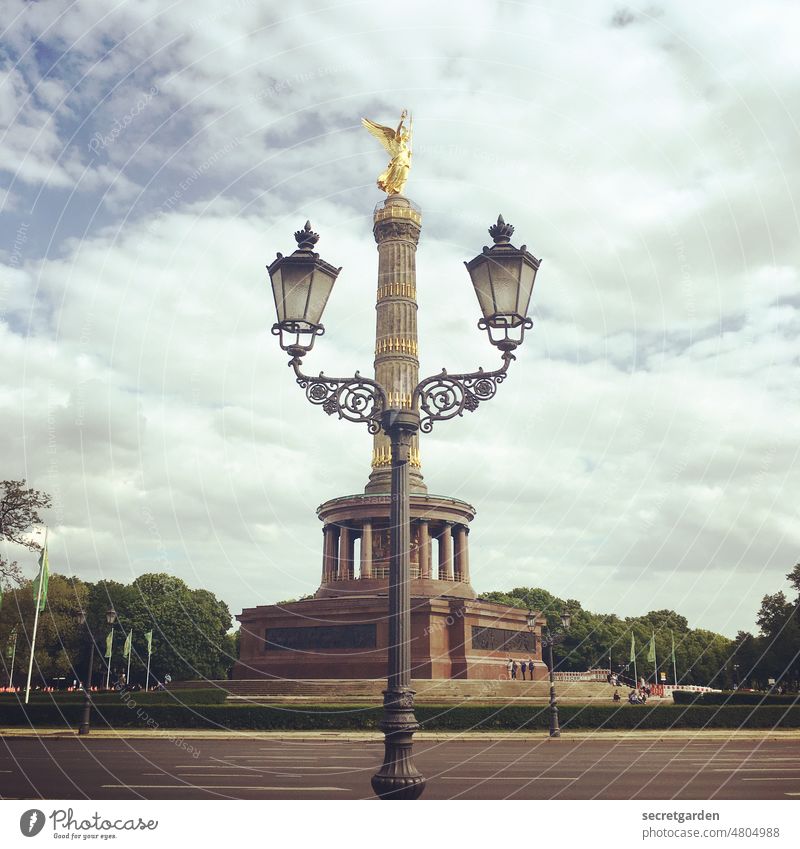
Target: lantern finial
{"x":306,"y":238}
{"x":501,"y":232}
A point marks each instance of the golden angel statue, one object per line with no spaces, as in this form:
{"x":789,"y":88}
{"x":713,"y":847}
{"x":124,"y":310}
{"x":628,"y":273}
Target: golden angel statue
{"x":398,"y":145}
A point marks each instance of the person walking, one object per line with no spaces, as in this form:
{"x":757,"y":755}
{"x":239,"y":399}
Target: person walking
{"x":523,"y":667}
{"x":530,"y":668}
{"x":509,"y":668}
{"x":513,"y":669}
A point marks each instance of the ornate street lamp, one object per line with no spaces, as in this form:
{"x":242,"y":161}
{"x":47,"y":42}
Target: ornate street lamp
{"x":503,"y":278}
{"x":301,"y":286}
{"x":111,"y":618}
{"x":549,"y":639}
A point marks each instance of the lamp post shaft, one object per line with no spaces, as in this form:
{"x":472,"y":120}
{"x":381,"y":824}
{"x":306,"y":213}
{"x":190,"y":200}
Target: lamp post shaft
{"x":555,"y":731}
{"x":83,"y":728}
{"x":398,"y":778}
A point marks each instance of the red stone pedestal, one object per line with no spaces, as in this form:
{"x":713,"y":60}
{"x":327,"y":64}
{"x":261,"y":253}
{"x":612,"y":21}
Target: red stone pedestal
{"x":346,"y":637}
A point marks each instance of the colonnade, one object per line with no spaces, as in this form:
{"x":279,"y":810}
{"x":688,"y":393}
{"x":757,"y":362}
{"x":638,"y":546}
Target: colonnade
{"x":451,"y":538}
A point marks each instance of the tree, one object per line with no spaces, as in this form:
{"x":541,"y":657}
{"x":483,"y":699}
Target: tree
{"x":19,"y":512}
{"x":60,"y":640}
{"x":794,"y":579}
{"x":701,"y":656}
{"x":190,"y":628}
{"x":191,"y":636}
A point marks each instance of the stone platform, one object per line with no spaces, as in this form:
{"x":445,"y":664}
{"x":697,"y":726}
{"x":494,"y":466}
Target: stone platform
{"x":262,"y":691}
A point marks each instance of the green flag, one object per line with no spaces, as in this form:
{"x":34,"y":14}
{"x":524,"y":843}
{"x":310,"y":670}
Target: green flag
{"x":633,"y":648}
{"x":126,"y":649}
{"x":651,"y":653}
{"x":43,"y":577}
{"x":109,"y":642}
{"x":149,"y":637}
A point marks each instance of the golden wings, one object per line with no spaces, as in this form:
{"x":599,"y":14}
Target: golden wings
{"x":397,"y":144}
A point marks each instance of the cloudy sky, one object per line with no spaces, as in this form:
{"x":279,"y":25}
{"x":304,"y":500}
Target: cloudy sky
{"x":643,"y":453}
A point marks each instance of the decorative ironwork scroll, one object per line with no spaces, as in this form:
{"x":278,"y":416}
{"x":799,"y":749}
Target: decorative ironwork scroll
{"x":445,"y":396}
{"x":357,"y":399}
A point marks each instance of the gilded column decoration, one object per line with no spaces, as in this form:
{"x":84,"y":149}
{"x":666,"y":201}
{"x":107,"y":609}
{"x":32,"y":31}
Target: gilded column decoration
{"x":396,"y":228}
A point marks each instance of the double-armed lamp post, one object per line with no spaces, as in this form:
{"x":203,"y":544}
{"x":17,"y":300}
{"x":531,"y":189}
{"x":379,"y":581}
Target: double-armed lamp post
{"x":550,"y":638}
{"x":503,"y":277}
{"x":111,"y":618}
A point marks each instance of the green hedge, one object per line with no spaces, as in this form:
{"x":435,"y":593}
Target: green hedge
{"x":135,"y":714}
{"x":209,"y":696}
{"x":732,"y":697}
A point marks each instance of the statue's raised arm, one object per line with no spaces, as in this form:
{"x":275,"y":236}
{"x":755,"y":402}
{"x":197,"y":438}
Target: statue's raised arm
{"x":397,"y":144}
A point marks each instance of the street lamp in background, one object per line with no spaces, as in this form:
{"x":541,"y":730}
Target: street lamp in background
{"x":111,"y":618}
{"x":549,"y":639}
{"x":503,"y":278}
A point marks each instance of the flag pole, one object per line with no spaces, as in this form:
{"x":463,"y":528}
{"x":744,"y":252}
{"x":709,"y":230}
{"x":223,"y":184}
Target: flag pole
{"x":13,"y":658}
{"x":36,"y":618}
{"x":147,"y":675}
{"x":674,"y":667}
{"x":128,"y":673}
{"x":655,"y":660}
{"x":635,"y":673}
{"x":110,"y":656}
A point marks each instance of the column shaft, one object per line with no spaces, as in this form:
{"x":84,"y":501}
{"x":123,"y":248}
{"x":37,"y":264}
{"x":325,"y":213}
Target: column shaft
{"x":345,"y":554}
{"x":424,"y":550}
{"x":446,"y":553}
{"x":461,"y":566}
{"x":330,"y":557}
{"x":366,"y":550}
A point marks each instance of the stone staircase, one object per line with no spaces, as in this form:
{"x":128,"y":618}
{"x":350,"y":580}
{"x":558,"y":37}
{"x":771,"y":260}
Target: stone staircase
{"x":264,"y":690}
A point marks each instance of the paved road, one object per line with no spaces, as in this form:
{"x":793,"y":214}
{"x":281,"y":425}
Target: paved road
{"x":260,"y":768}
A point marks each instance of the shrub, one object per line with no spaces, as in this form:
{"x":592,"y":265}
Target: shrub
{"x":155,"y":697}
{"x":136,"y":714}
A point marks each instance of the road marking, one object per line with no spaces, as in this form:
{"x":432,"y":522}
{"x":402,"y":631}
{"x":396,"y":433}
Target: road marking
{"x":216,"y":787}
{"x":508,"y":778}
{"x":250,"y":770}
{"x":270,"y":768}
{"x":757,"y":769}
{"x":269,"y":757}
{"x":775,"y":778}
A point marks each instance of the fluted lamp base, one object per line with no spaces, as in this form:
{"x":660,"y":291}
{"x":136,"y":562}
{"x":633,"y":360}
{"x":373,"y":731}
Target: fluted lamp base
{"x":398,"y":778}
